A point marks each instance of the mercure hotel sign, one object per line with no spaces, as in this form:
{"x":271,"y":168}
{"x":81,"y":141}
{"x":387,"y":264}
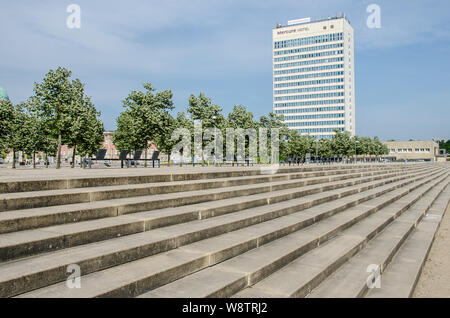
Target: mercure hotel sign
{"x":293,"y":31}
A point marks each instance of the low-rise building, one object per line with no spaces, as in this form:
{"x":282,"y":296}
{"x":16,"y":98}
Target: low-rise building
{"x":413,"y":150}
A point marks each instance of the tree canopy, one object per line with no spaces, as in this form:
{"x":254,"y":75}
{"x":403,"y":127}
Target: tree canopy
{"x":60,"y":112}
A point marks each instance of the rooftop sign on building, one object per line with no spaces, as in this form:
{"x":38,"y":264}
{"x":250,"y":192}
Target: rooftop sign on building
{"x":299,"y":21}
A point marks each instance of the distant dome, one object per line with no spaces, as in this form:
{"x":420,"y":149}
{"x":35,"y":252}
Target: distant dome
{"x":3,"y":95}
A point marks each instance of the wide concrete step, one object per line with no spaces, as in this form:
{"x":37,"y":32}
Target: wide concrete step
{"x":364,"y":270}
{"x":35,"y":199}
{"x":138,"y":276}
{"x":138,"y":176}
{"x":32,"y":272}
{"x":20,"y":220}
{"x":24,"y":243}
{"x":400,"y":277}
{"x":100,"y":178}
{"x":233,"y":275}
{"x":299,"y":277}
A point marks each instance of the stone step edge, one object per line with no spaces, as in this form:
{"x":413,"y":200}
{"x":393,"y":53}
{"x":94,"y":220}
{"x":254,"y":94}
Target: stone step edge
{"x":81,"y":182}
{"x":363,"y":288}
{"x":415,"y":267}
{"x":269,"y":240}
{"x":21,"y":223}
{"x":249,"y":281}
{"x":20,"y":204}
{"x":61,"y":242}
{"x":36,"y":199}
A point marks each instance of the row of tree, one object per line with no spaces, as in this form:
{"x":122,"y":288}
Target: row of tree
{"x":341,"y":144}
{"x":60,"y":113}
{"x":147,"y":119}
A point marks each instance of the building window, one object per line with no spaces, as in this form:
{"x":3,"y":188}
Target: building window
{"x":309,"y":40}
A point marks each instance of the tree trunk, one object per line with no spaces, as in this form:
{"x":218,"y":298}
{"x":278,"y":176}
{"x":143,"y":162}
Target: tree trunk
{"x":14,"y":159}
{"x":145,"y":156}
{"x":168,"y":160}
{"x":203,"y":159}
{"x":34,"y":160}
{"x":73,"y":155}
{"x":58,"y":155}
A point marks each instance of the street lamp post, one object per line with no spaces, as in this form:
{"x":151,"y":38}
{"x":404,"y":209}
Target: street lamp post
{"x":215,"y":141}
{"x":317,"y":149}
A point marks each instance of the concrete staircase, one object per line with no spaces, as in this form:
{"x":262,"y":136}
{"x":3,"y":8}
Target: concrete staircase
{"x":304,"y":231}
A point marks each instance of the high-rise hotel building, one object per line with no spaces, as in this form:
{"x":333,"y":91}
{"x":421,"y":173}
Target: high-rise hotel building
{"x":314,"y":76}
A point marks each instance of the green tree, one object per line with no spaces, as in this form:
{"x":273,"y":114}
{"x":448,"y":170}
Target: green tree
{"x":342,"y":144}
{"x":297,"y":145}
{"x":17,"y":138}
{"x":385,"y":149}
{"x":55,"y":97}
{"x":127,"y":134}
{"x":325,"y":148}
{"x":304,"y":144}
{"x":164,"y":140}
{"x":35,"y":136}
{"x":144,"y":119}
{"x":363,"y":146}
{"x":379,"y":148}
{"x":88,"y":129}
{"x":240,"y":118}
{"x":273,"y":120}
{"x":85,"y":127}
{"x":202,"y":108}
{"x":6,"y":119}
{"x":445,"y":145}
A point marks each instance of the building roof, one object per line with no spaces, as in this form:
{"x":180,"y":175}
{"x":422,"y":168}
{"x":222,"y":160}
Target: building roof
{"x":313,"y":20}
{"x":3,"y":94}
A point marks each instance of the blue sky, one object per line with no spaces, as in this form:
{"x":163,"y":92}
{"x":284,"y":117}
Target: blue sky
{"x":223,"y":48}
